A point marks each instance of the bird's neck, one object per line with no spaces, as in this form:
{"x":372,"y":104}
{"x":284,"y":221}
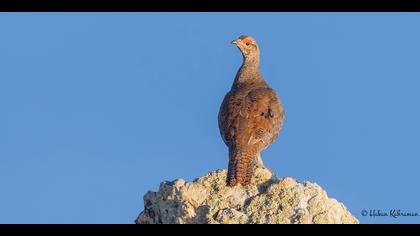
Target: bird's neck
{"x":248,"y":72}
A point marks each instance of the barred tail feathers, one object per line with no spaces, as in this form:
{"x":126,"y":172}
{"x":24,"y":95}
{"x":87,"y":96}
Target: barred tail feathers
{"x":241,"y":167}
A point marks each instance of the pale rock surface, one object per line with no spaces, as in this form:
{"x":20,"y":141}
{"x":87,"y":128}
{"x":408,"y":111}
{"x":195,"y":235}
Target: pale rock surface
{"x":268,"y":200}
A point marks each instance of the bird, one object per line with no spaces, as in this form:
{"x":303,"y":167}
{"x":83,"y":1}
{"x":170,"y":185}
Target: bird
{"x":250,"y":117}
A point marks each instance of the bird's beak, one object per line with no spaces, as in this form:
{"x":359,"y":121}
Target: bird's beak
{"x":234,"y":41}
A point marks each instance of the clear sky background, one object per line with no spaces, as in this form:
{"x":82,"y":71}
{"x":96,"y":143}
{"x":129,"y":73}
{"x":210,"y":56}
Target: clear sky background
{"x":99,"y":108}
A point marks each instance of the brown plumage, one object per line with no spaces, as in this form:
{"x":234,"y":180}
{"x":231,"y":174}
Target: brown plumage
{"x":250,"y":117}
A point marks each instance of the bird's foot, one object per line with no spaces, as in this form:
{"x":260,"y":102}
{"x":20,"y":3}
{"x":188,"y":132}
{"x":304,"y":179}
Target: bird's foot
{"x":260,"y":165}
{"x":259,"y":162}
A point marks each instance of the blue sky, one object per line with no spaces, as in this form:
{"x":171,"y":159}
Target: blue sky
{"x":99,"y":108}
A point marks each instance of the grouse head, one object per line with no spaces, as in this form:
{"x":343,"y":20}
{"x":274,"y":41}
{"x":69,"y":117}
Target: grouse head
{"x":248,"y":47}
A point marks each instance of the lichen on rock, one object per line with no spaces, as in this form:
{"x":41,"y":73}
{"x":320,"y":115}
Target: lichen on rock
{"x":268,"y":200}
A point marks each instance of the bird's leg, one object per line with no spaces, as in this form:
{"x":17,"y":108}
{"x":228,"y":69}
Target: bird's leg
{"x":259,"y":162}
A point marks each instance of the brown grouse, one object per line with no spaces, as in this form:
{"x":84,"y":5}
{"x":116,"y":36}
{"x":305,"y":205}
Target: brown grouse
{"x":250,"y":117}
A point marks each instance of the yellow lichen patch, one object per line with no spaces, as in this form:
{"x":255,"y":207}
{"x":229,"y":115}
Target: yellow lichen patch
{"x":286,"y":183}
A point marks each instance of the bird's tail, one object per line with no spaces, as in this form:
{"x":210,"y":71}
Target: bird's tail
{"x":241,"y":167}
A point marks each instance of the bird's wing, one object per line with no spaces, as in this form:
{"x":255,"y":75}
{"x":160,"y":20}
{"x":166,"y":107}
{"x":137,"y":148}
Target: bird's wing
{"x":228,"y":117}
{"x":266,"y":115}
{"x":255,"y":117}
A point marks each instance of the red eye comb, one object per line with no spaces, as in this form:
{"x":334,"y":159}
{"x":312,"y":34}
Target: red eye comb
{"x":247,"y":40}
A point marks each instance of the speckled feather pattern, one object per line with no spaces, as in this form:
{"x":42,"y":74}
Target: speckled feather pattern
{"x":250,"y":117}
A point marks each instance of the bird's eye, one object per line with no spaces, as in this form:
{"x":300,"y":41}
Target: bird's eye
{"x":247,"y":44}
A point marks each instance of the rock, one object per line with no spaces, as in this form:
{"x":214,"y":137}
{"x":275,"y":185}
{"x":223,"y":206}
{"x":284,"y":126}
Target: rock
{"x":268,"y":200}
